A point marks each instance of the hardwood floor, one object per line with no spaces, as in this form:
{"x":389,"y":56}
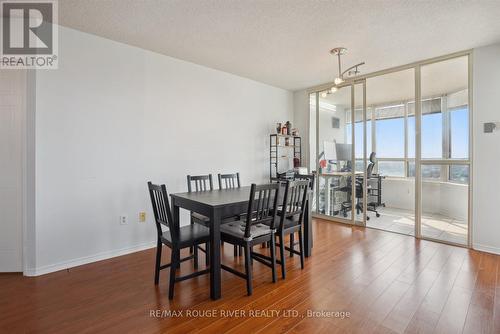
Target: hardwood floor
{"x":389,"y":283}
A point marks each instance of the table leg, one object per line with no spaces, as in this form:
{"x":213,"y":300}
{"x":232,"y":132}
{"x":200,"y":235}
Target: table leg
{"x":308,"y":238}
{"x":215,"y":261}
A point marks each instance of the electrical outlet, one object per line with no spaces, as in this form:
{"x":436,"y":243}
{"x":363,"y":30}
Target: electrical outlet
{"x":123,"y":220}
{"x":142,"y":217}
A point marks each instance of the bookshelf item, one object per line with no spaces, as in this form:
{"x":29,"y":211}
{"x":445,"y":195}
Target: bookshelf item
{"x":283,"y":147}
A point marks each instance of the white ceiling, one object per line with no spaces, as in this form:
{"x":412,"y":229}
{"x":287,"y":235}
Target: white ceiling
{"x":286,"y":43}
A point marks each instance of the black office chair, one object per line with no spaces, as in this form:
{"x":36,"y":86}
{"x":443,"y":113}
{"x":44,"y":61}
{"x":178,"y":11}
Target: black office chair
{"x":347,"y":206}
{"x":175,"y":238}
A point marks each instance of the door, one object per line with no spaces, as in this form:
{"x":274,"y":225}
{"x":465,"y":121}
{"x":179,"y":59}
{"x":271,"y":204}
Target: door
{"x":444,"y":167}
{"x":341,"y":153}
{"x":12,"y":117}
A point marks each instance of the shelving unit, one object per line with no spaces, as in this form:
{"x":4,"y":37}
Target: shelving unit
{"x":279,"y":150}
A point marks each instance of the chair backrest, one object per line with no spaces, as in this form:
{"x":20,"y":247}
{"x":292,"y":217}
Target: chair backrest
{"x":294,"y":201}
{"x":309,"y":177}
{"x":200,"y":182}
{"x":369,"y":169}
{"x":373,"y":157}
{"x":262,"y":205}
{"x":161,"y":210}
{"x":228,"y":181}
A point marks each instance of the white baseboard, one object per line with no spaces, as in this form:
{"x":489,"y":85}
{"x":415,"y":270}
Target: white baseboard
{"x":487,"y":249}
{"x":87,"y":259}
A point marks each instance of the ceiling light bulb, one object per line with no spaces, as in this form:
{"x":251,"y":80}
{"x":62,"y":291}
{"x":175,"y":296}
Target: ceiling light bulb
{"x":338,"y":81}
{"x":333,"y":89}
{"x":323,"y":94}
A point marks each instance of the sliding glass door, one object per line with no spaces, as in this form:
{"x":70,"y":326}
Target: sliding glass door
{"x":445,"y":154}
{"x":391,"y":100}
{"x":392,"y":150}
{"x":340,"y":149}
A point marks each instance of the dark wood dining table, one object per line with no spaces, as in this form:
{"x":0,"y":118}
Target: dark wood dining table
{"x":220,"y":204}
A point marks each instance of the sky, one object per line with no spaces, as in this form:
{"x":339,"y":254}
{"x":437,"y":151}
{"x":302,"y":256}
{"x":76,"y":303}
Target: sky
{"x":390,"y":136}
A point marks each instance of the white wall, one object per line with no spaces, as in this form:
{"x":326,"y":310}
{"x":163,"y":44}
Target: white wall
{"x":444,"y":198}
{"x":12,"y":120}
{"x":113,"y":117}
{"x":486,"y":149}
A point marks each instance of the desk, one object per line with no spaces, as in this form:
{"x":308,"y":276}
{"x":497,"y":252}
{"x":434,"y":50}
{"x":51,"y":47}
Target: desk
{"x":327,"y":177}
{"x":220,"y":204}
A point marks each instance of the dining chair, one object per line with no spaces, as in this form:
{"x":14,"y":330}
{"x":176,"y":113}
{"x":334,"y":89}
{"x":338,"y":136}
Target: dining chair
{"x":231,"y":181}
{"x":258,"y":227}
{"x":310,"y":178}
{"x":176,"y":238}
{"x":196,"y":183}
{"x":227,"y":181}
{"x":291,"y":216}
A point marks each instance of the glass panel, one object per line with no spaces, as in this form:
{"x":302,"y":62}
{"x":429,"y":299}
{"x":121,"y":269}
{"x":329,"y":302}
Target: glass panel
{"x":445,"y":209}
{"x":432,"y":136}
{"x":391,"y":199}
{"x":411,"y":137}
{"x":358,"y":132}
{"x":335,"y":150}
{"x":390,"y":137}
{"x":429,"y":172}
{"x":312,"y":140}
{"x":359,"y":139}
{"x":459,"y":133}
{"x":445,"y":135}
{"x":391,"y":168}
{"x":459,"y":173}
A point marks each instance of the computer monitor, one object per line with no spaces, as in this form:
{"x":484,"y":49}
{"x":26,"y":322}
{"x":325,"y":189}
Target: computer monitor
{"x":343,"y":151}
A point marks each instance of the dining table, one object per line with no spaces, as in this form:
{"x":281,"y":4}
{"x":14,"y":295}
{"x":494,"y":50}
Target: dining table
{"x":218,"y":205}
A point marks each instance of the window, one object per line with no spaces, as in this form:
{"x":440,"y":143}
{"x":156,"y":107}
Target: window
{"x":432,"y":136}
{"x":358,"y":127}
{"x":411,"y":137}
{"x":429,"y":172}
{"x":459,"y":133}
{"x":391,"y":168}
{"x":459,"y":174}
{"x":390,"y":137}
{"x":359,"y":166}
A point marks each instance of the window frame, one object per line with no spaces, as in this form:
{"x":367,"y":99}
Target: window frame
{"x":445,"y":175}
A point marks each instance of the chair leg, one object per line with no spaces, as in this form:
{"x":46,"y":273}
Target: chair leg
{"x":301,"y":245}
{"x":191,"y":249}
{"x":179,"y":259}
{"x":273,"y":257}
{"x":159,"y":247}
{"x":251,"y":258}
{"x":173,"y":268}
{"x":292,"y":243}
{"x":235,"y":250}
{"x":282,"y":255}
{"x":207,"y":253}
{"x":248,"y":269}
{"x":195,"y":257}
